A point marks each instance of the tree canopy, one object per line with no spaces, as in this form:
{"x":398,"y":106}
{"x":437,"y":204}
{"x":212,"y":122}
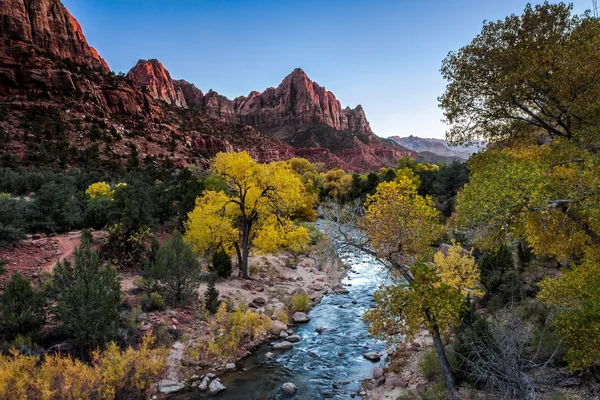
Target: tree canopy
{"x":256,"y":209}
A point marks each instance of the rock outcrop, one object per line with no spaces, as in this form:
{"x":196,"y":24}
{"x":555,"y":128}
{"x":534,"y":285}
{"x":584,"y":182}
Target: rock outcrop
{"x":49,"y":73}
{"x":296,"y":104}
{"x":48,"y":25}
{"x":152,"y":75}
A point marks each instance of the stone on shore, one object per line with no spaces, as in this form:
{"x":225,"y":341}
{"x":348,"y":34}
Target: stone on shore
{"x":300,"y":317}
{"x":168,"y":386}
{"x":277,"y":327}
{"x":216,"y":387}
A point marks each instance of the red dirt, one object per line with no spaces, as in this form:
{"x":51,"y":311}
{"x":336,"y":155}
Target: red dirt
{"x":35,"y":258}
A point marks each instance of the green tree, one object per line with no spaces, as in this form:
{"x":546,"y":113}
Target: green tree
{"x":221,"y":264}
{"x":22,"y":309}
{"x":500,"y":276}
{"x":256,"y":210}
{"x":88,"y":297}
{"x":177,"y":270}
{"x":540,"y":69}
{"x":211,"y":296}
{"x":57,"y":207}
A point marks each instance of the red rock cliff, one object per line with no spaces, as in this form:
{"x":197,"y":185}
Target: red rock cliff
{"x":48,"y":25}
{"x":296,"y":104}
{"x":153,"y":76}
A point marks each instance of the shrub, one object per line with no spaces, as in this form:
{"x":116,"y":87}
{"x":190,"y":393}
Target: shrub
{"x":152,"y":302}
{"x":176,"y":269}
{"x":112,"y":375}
{"x":96,"y":213}
{"x":300,"y":302}
{"x":231,"y":329}
{"x":98,"y":189}
{"x":56,"y":208}
{"x":437,"y":391}
{"x":88,"y":297}
{"x":430,"y":367}
{"x":221,"y":264}
{"x":282,"y":316}
{"x":211,"y":297}
{"x":21,"y":309}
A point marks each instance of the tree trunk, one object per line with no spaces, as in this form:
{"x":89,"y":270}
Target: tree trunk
{"x":243,"y":257}
{"x":446,"y":369}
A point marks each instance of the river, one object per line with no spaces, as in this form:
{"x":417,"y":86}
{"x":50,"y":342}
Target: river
{"x":329,"y":364}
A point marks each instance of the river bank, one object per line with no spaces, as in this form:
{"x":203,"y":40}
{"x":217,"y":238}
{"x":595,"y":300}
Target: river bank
{"x":275,"y":279}
{"x":327,"y":358}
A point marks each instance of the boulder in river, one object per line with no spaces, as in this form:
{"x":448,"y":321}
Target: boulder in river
{"x":372,"y":356}
{"x":289,"y":388}
{"x":215,"y":387}
{"x":283,"y":334}
{"x":285,"y":345}
{"x":168,"y":386}
{"x":230,"y":367}
{"x":293,"y":339}
{"x":300,"y":317}
{"x":377,"y":373}
{"x":269,"y":356}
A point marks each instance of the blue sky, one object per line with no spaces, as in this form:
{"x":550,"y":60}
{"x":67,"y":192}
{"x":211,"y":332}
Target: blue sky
{"x":383,"y":54}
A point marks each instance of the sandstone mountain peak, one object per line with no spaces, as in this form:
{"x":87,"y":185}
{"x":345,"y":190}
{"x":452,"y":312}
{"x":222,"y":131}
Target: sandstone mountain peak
{"x":153,"y":76}
{"x":49,"y":26}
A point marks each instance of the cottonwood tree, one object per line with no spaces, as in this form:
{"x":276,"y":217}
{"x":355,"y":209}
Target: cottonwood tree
{"x":397,"y":227}
{"x":531,"y":84}
{"x":255,"y":210}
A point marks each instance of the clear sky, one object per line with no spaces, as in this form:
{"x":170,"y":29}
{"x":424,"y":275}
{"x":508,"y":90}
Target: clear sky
{"x":383,"y":54}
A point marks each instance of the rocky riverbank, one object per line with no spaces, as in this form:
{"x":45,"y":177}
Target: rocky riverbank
{"x":275,"y":280}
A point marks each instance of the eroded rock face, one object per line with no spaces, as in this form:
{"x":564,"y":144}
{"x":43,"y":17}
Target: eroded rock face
{"x":152,"y":75}
{"x":295,"y":104}
{"x":48,"y":25}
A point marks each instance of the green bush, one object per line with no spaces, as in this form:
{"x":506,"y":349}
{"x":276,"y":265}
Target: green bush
{"x":152,"y":302}
{"x":176,"y":270}
{"x":22,"y":311}
{"x":221,"y":264}
{"x":96,"y":214}
{"x":430,"y":367}
{"x":300,"y":302}
{"x":437,"y":391}
{"x":87,"y":296}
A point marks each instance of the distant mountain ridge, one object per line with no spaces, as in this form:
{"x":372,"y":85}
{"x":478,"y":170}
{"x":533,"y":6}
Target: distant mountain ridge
{"x":60,"y":102}
{"x":438,"y":147}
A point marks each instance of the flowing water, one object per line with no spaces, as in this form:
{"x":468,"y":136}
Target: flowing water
{"x":329,"y":364}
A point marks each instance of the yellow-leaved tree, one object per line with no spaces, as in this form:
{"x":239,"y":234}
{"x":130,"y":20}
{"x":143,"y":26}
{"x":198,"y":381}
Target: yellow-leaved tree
{"x":99,"y":189}
{"x":400,"y":226}
{"x":257,"y":209}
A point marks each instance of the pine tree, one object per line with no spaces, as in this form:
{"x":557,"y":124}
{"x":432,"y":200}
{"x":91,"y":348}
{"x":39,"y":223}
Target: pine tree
{"x":177,"y":270}
{"x":21,"y":309}
{"x":211,"y":296}
{"x":88,"y":297}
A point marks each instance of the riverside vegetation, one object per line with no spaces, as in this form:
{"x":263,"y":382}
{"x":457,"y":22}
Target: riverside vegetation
{"x":498,"y":260}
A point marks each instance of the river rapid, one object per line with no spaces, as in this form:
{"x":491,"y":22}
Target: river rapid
{"x":329,"y":364}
